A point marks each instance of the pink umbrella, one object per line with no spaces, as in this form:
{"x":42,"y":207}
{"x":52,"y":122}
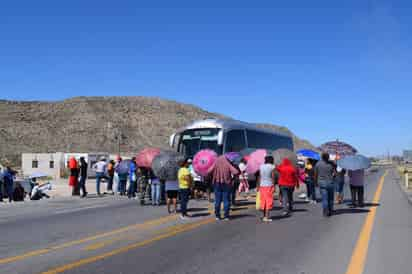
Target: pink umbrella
{"x":145,"y":157}
{"x":203,"y":160}
{"x":256,"y":159}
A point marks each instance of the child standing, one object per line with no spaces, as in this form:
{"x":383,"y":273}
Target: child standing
{"x":243,"y":178}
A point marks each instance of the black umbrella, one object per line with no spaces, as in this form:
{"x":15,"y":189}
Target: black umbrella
{"x":166,"y":165}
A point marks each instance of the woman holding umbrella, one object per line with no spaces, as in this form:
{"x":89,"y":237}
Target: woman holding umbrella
{"x":356,"y":165}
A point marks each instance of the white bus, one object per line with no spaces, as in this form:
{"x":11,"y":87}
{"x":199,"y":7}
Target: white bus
{"x":224,"y":135}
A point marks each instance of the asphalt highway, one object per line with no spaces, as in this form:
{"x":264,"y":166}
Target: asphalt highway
{"x":113,"y":235}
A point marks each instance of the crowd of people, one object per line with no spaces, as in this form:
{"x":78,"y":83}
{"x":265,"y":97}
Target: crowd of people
{"x":225,"y":179}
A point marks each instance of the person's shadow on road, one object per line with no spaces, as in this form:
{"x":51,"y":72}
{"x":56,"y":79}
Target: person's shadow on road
{"x":350,"y":211}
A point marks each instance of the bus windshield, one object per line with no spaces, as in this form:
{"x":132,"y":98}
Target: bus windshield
{"x":193,"y":140}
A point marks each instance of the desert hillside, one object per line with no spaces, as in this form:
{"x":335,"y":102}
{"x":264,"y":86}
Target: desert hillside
{"x":92,"y":124}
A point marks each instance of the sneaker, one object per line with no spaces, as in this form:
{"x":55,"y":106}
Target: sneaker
{"x":267,"y":220}
{"x":226,"y":219}
{"x":302,"y":196}
{"x":285,"y":213}
{"x":307,"y":200}
{"x":182,"y":217}
{"x":217,"y":219}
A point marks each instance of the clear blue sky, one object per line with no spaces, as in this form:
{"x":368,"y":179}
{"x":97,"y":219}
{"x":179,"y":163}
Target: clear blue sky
{"x":326,"y":69}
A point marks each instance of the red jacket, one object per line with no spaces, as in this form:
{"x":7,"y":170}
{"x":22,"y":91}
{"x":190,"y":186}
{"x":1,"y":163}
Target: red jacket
{"x":287,"y":174}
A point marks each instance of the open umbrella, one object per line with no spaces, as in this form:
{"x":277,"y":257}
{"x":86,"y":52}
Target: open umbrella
{"x":256,"y":159}
{"x":354,"y":162}
{"x":166,"y":165}
{"x":282,"y":153}
{"x":233,"y":157}
{"x":145,"y":157}
{"x":203,"y":160}
{"x":338,"y":148}
{"x":308,"y":153}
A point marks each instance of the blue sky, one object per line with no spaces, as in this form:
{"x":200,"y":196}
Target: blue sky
{"x":325,"y":69}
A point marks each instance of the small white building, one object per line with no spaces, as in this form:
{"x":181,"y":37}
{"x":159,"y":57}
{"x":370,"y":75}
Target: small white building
{"x":51,"y":164}
{"x":55,"y":164}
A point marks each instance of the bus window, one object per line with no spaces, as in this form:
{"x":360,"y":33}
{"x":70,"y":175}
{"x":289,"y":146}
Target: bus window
{"x":268,"y":141}
{"x":254,"y":139}
{"x":193,"y":140}
{"x":235,"y":141}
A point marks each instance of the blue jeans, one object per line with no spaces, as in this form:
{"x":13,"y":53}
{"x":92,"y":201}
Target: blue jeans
{"x":131,"y":192}
{"x":1,"y":191}
{"x":222,"y":193}
{"x":327,"y":191}
{"x":156,"y":193}
{"x":184,"y":200}
{"x":9,"y":190}
{"x":122,"y":186}
{"x":99,"y":177}
{"x":310,"y":185}
{"x":339,"y":186}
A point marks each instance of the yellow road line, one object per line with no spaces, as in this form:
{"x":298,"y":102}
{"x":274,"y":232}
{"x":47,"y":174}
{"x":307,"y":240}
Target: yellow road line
{"x":359,"y":255}
{"x":38,"y":252}
{"x":136,"y":245}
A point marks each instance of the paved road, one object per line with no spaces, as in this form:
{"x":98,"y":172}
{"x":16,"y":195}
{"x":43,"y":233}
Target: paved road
{"x":117,"y":236}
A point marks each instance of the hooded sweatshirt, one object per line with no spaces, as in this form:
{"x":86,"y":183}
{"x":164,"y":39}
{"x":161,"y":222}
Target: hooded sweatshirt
{"x":222,"y":171}
{"x":287,"y":174}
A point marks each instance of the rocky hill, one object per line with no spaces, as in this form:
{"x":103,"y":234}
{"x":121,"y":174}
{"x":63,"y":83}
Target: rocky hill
{"x":93,"y":123}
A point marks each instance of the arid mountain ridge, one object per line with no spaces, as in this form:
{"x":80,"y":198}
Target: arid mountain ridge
{"x":91,"y":124}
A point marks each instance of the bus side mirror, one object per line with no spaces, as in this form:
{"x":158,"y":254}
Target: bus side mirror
{"x":220,"y":138}
{"x":172,"y":140}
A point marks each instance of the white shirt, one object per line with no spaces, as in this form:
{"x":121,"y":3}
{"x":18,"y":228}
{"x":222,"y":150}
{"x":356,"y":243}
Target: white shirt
{"x":265,"y":174}
{"x":100,"y":167}
{"x":242,"y":168}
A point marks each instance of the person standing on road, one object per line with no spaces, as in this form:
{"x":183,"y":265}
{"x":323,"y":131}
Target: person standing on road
{"x":8,"y":179}
{"x":156,"y":191}
{"x":172,"y":190}
{"x":310,"y":182}
{"x":74,"y":176}
{"x":324,"y":172}
{"x":288,"y":181}
{"x":222,"y":173}
{"x":1,"y":183}
{"x":122,"y":174}
{"x":116,"y":175}
{"x":83,"y":176}
{"x":110,"y":175}
{"x":243,"y":178}
{"x":100,"y":168}
{"x":131,"y":192}
{"x":266,"y":187}
{"x":340,"y":183}
{"x":185,"y":183}
{"x":357,"y":180}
